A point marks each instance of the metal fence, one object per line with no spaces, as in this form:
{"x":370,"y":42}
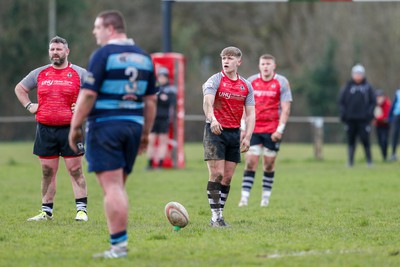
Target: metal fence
{"x":314,"y":130}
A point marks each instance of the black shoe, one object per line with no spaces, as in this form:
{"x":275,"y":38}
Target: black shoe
{"x":219,"y":223}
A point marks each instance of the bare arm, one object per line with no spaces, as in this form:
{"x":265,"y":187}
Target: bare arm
{"x":84,"y":105}
{"x":285,"y":112}
{"x":250,"y":120}
{"x":149,"y":113}
{"x":277,"y":135}
{"x":208,"y":103}
{"x":23,"y":96}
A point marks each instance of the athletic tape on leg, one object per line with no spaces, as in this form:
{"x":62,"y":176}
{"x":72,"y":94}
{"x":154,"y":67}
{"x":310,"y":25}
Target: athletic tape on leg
{"x":270,"y":153}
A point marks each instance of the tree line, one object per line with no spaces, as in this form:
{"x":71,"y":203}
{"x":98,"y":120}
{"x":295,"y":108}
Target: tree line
{"x":315,"y":44}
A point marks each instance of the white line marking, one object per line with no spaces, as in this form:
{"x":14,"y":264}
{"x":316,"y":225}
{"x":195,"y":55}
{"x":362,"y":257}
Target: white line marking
{"x":311,"y":252}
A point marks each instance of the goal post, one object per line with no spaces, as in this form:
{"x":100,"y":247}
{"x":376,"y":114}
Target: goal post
{"x":175,"y":63}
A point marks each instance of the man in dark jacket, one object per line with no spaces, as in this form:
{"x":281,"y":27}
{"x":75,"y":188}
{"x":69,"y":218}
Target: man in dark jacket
{"x":357,"y":103}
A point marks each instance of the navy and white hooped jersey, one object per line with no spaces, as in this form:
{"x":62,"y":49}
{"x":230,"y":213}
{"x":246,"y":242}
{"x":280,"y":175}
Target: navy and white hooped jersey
{"x":121,"y":73}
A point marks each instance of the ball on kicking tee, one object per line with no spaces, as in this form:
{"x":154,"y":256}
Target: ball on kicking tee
{"x":176,"y":215}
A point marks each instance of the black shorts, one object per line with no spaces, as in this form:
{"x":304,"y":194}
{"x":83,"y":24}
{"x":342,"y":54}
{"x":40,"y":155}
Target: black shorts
{"x":52,"y":141}
{"x":225,"y":146}
{"x":161,"y":126}
{"x":265,"y":140}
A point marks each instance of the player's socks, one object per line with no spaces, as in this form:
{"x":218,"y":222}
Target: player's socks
{"x":214,"y":199}
{"x":224,"y":195}
{"x":160,"y":163}
{"x":268,"y":180}
{"x":119,"y":240}
{"x":48,"y":208}
{"x":247,"y":184}
{"x":81,"y":204}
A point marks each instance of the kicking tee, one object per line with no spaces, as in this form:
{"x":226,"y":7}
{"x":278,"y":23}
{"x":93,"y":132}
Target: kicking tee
{"x":268,"y":96}
{"x":121,"y":73}
{"x":57,"y":90}
{"x":230,"y":98}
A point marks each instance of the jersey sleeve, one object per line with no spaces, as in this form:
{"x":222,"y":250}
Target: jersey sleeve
{"x":81,"y":72}
{"x":210,"y":87}
{"x":286,"y":93}
{"x":252,"y":78}
{"x":30,"y":80}
{"x":152,"y":89}
{"x":96,"y":69}
{"x":250,"y":96}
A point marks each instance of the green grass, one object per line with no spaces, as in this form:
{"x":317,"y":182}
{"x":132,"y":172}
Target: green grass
{"x":321,"y":214}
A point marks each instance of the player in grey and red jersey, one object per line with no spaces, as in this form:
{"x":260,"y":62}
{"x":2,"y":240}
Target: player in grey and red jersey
{"x":226,"y":95}
{"x":273,"y":99}
{"x":58,"y":86}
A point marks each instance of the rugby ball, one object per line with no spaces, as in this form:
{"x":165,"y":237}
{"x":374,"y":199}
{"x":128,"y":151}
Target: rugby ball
{"x":176,"y":214}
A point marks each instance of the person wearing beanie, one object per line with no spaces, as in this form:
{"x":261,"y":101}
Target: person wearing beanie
{"x":357,"y":103}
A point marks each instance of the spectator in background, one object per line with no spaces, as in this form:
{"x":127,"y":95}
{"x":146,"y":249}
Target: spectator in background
{"x":357,"y":103}
{"x":394,"y":119}
{"x":381,"y":121}
{"x":166,"y":100}
{"x":165,"y":109}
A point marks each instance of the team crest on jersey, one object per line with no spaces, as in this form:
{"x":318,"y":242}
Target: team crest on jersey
{"x":242,"y":87}
{"x":273,"y":86}
{"x":69,"y":75}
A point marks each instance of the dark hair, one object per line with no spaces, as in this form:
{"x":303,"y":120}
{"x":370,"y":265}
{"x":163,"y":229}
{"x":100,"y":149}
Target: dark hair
{"x":59,"y":40}
{"x":113,"y":18}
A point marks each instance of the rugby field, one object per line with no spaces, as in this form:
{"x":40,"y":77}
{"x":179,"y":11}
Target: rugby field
{"x":320,"y":214}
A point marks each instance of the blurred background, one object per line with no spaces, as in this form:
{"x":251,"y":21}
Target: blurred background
{"x":315,"y":44}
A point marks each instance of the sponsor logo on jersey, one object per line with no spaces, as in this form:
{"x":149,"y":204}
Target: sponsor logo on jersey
{"x":265,"y":93}
{"x":89,"y":78}
{"x":209,"y":84}
{"x":56,"y":82}
{"x":47,"y":82}
{"x":224,"y":95}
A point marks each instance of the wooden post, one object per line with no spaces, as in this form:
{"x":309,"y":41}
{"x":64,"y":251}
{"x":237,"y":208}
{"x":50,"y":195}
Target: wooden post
{"x":318,"y":130}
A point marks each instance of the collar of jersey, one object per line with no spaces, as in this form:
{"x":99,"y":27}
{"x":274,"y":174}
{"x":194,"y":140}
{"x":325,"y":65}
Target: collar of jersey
{"x":121,"y":41}
{"x":237,"y":75}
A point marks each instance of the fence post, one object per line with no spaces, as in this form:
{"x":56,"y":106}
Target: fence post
{"x":318,"y":130}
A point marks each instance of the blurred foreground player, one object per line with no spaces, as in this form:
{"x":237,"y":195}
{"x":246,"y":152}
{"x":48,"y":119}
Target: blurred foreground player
{"x":58,"y":86}
{"x":226,"y":96}
{"x":119,"y":100}
{"x":273,"y":100}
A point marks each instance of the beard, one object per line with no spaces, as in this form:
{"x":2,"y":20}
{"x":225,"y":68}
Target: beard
{"x":58,"y":61}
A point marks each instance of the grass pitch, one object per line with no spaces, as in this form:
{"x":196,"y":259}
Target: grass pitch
{"x":320,"y":214}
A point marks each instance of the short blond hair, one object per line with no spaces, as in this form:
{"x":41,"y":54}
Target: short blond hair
{"x":231,"y":51}
{"x":268,"y":56}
